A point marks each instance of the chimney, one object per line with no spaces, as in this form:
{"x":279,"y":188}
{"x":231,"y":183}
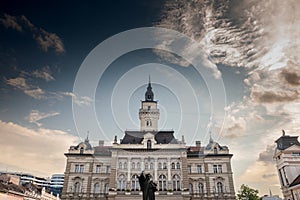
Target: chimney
{"x":198,"y":143}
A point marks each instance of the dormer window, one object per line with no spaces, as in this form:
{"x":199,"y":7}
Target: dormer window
{"x":215,"y":150}
{"x":81,"y":150}
{"x":149,"y":145}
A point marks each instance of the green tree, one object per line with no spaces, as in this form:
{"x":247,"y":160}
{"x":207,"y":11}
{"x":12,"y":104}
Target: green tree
{"x":247,"y":193}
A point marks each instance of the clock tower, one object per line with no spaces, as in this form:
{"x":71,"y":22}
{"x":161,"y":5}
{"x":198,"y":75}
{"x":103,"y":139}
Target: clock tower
{"x":148,"y":113}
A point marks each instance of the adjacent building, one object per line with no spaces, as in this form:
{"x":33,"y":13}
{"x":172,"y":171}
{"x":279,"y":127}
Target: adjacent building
{"x":180,"y":171}
{"x":57,"y":184}
{"x":287,"y":156}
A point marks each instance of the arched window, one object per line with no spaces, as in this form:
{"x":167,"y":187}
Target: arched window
{"x":120,"y":165}
{"x":162,"y":182}
{"x":149,"y":145}
{"x":201,"y":188}
{"x":176,"y":182}
{"x":191,"y":188}
{"x":106,"y":187}
{"x":125,"y":165}
{"x":138,"y":166}
{"x":77,"y":187}
{"x":122,"y":182}
{"x":97,"y":188}
{"x":178,"y":165}
{"x":173,"y":165}
{"x":133,"y":165}
{"x":135,"y":182}
{"x":146,"y":166}
{"x":165,"y":165}
{"x":151,"y":165}
{"x":220,"y":187}
{"x":159,"y":166}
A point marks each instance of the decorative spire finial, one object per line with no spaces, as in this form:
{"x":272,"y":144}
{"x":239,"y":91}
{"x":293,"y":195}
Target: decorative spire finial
{"x":87,"y":136}
{"x":149,"y":96}
{"x":210,"y":138}
{"x":283,"y":132}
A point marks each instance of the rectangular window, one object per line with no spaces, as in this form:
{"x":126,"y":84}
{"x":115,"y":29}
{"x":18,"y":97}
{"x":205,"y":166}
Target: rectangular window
{"x":215,"y":168}
{"x":199,"y":169}
{"x":98,"y":168}
{"x":219,"y":168}
{"x":107,"y":169}
{"x":189,"y":169}
{"x":81,"y":168}
{"x":76,"y":168}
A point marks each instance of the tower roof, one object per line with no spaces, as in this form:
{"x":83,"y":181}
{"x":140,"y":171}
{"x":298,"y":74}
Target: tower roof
{"x":149,"y":95}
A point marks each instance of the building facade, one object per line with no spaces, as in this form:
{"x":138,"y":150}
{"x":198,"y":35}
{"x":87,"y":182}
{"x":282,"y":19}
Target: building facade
{"x":180,"y":171}
{"x":287,"y":156}
{"x":57,"y":184}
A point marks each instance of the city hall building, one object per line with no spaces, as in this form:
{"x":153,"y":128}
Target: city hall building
{"x":180,"y":171}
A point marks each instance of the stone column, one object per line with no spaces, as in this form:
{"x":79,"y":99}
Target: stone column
{"x":142,"y":164}
{"x":128,"y":169}
{"x":169,"y":169}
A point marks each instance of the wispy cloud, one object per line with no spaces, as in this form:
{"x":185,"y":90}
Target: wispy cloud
{"x":11,"y":22}
{"x":45,"y":39}
{"x":24,"y":82}
{"x":36,"y":116}
{"x":79,"y":100}
{"x":44,"y":73}
{"x":30,"y":90}
{"x":48,"y":40}
{"x":29,"y":147}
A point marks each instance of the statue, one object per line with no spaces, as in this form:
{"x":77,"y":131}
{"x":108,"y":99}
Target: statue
{"x":148,"y":187}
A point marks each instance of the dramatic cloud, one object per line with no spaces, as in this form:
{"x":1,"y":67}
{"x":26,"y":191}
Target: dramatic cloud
{"x":11,"y":22}
{"x":35,"y":116}
{"x":263,"y":95}
{"x":262,"y":172}
{"x":291,"y":75}
{"x":44,"y":73}
{"x":36,"y":150}
{"x":239,"y":33}
{"x":45,"y":39}
{"x":267,"y":155}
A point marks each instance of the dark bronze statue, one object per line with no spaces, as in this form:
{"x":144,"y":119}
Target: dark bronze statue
{"x":148,"y":187}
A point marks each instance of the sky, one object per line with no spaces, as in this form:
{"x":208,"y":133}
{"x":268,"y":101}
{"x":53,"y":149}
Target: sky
{"x":225,"y":69}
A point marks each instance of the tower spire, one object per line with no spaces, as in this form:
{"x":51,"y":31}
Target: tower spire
{"x":149,"y":95}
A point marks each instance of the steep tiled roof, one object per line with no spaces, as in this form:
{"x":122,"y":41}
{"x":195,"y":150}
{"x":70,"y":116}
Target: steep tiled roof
{"x":286,"y":141}
{"x":161,"y":137}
